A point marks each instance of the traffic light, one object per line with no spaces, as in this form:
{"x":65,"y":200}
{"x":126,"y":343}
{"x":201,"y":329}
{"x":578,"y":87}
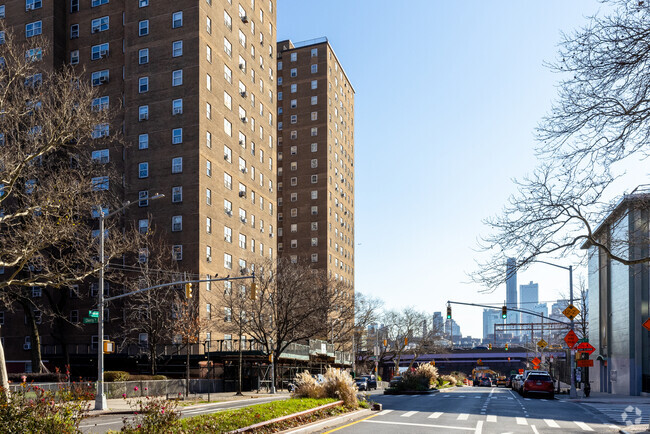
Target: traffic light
{"x":504,"y":312}
{"x":506,"y":347}
{"x":253,"y":290}
{"x":448,"y":312}
{"x":188,"y":290}
{"x":489,"y":346}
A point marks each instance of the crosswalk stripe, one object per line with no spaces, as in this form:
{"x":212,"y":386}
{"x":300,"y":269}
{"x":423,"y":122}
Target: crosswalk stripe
{"x":491,"y":418}
{"x":409,"y":413}
{"x":551,"y":423}
{"x":584,"y":426}
{"x":462,"y":416}
{"x":436,"y":415}
{"x":521,"y":421}
{"x":381,"y":413}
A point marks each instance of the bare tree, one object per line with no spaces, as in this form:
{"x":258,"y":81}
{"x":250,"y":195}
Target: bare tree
{"x":151,"y":312}
{"x":291,"y":305}
{"x":601,"y":117}
{"x":49,"y":181}
{"x":401,"y":328}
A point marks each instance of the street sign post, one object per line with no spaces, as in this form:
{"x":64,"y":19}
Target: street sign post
{"x":571,"y":312}
{"x":87,"y":320}
{"x":542,"y":343}
{"x":571,"y":338}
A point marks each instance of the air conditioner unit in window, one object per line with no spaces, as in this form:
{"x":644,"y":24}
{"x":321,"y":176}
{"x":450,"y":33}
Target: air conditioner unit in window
{"x":95,"y":29}
{"x":143,"y":116}
{"x":243,"y":270}
{"x":243,"y":94}
{"x":244,"y":119}
{"x":242,"y":66}
{"x":243,"y":219}
{"x":103,"y":80}
{"x":103,"y":53}
{"x":244,"y":170}
{"x":226,"y":239}
{"x":270,"y":235}
{"x":209,"y":259}
{"x":270,"y":189}
{"x":226,"y":157}
{"x":244,"y":18}
{"x":229,"y":212}
{"x":27,"y":346}
{"x":177,"y":111}
{"x":241,"y":142}
{"x":242,"y":194}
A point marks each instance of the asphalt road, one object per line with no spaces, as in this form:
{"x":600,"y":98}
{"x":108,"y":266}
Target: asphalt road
{"x":102,"y":424}
{"x":478,"y":410}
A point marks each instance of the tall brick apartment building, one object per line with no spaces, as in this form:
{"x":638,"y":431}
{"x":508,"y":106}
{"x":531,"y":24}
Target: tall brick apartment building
{"x":315,"y":158}
{"x":194,"y":83}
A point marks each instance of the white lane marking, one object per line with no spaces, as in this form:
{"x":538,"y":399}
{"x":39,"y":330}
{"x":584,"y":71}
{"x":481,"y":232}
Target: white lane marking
{"x":521,"y":421}
{"x":551,"y":423}
{"x":462,"y":416}
{"x":383,"y":412}
{"x":385,"y":422}
{"x":534,"y":429}
{"x":436,"y":415}
{"x":584,"y":426}
{"x":491,"y":418}
{"x":479,"y":427}
{"x":409,"y":414}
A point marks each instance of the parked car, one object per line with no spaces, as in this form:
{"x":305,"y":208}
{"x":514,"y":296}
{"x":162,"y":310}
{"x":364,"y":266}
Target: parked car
{"x":538,"y":383}
{"x":372,"y":381}
{"x":362,"y":383}
{"x":485,"y":381}
{"x":516,"y":382}
{"x":393,"y":382}
{"x":509,"y":380}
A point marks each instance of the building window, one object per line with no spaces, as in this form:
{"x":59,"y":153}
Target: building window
{"x":143,"y":198}
{"x":208,"y":82}
{"x":177,"y":77}
{"x":294,"y":119}
{"x":74,"y":31}
{"x":227,"y":317}
{"x":74,"y":6}
{"x":314,"y":116}
{"x":100,"y":103}
{"x":294,"y":212}
{"x":242,"y":241}
{"x":314,"y":84}
{"x":314,"y":69}
{"x":177,"y":252}
{"x":144,"y":3}
{"x":208,"y":168}
{"x":99,"y":183}
{"x":98,"y":3}
{"x":314,"y":194}
{"x":227,"y":261}
{"x":314,"y":226}
{"x":314,"y":131}
{"x":294,"y":88}
{"x":100,"y":130}
{"x":294,"y":72}
{"x":208,"y":225}
{"x":99,"y":25}
{"x":99,"y":51}
{"x":208,"y":53}
{"x":143,"y":141}
{"x":98,"y":77}
{"x":227,"y":100}
{"x":294,"y":57}
{"x":227,"y":181}
{"x":293,"y":135}
{"x":143,"y":226}
{"x":33,"y":4}
{"x":279,"y":96}
{"x":100,"y":156}
{"x":314,"y":210}
{"x":208,"y":25}
{"x":177,"y":223}
{"x":177,"y":165}
{"x":177,"y":136}
{"x":227,"y":47}
{"x":177,"y":106}
{"x":143,"y":170}
{"x":227,"y":127}
{"x":314,"y":179}
{"x":177,"y":20}
{"x":208,"y":110}
{"x":2,"y":15}
{"x":314,"y":52}
{"x":143,"y":84}
{"x":314,"y":147}
{"x":227,"y":234}
{"x":208,"y":196}
{"x":143,"y":28}
{"x":177,"y":194}
{"x":177,"y":48}
{"x":143,"y":56}
{"x":74,"y":57}
{"x":314,"y":257}
{"x":314,"y":163}
{"x":33,"y":29}
{"x":143,"y":113}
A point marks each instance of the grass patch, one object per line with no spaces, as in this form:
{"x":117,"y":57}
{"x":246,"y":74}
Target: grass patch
{"x":230,"y":420}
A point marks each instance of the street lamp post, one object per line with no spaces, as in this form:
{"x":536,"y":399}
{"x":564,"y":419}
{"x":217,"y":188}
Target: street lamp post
{"x":100,"y":397}
{"x":572,"y":391}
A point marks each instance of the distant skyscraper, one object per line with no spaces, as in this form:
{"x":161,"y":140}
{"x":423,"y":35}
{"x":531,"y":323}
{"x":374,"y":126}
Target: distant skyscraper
{"x":454,"y":328}
{"x":511,"y":289}
{"x":528,"y":298}
{"x":438,"y":323}
{"x":490,"y":318}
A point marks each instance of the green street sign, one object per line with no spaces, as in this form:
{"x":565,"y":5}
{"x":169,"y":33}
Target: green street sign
{"x":93,"y":313}
{"x":583,"y":340}
{"x":87,"y":320}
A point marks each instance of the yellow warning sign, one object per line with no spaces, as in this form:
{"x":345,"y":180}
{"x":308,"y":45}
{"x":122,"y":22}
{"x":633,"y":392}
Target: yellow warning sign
{"x":571,"y":312}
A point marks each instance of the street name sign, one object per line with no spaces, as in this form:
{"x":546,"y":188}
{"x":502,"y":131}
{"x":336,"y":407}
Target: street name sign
{"x":571,"y":338}
{"x":571,"y":312}
{"x":87,"y":320}
{"x":93,"y":313}
{"x":542,"y":343}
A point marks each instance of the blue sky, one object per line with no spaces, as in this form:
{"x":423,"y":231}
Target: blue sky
{"x":447,"y":97}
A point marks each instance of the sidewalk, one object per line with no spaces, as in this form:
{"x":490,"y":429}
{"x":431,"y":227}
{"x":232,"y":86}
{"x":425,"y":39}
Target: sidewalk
{"x":121,"y":406}
{"x":607,"y":398}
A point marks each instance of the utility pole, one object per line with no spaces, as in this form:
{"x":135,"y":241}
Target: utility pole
{"x":572,"y":390}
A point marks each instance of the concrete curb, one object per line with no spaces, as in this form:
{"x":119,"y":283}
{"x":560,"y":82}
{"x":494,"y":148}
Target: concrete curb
{"x":289,"y":416}
{"x":331,"y":422}
{"x":410,"y":392}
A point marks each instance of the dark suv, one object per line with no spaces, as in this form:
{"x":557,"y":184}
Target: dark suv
{"x":372,"y":381}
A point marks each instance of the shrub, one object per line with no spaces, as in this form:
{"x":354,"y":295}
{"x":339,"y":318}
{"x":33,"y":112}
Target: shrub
{"x":144,"y":377}
{"x":340,"y":384}
{"x":33,"y":409}
{"x":111,"y":376}
{"x":153,"y":415}
{"x":427,"y":371}
{"x":46,"y":377}
{"x":450,"y":379}
{"x":308,"y":387}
